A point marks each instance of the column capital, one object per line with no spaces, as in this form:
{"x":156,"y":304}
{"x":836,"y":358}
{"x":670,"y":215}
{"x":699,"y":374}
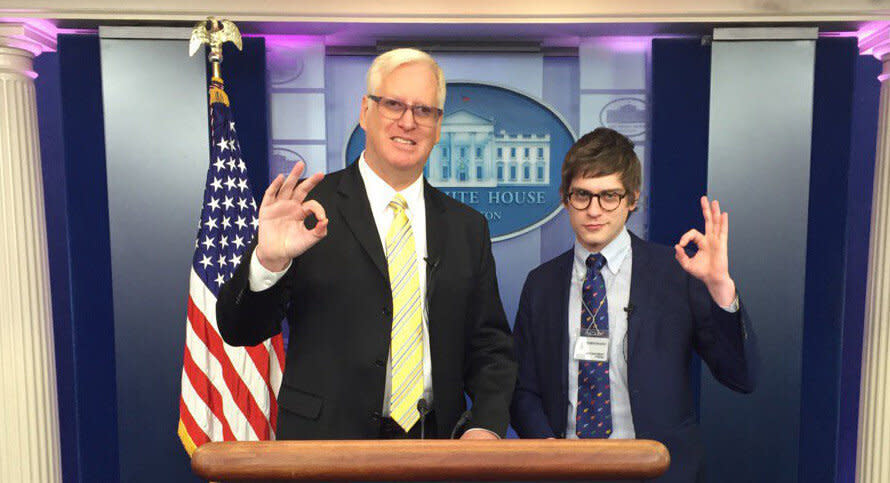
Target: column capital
{"x":874,"y":40}
{"x":32,"y":35}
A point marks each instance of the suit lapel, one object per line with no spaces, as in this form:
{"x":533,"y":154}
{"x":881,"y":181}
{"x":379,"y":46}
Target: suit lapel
{"x":640,"y":293}
{"x":356,"y":212}
{"x":560,"y":317}
{"x":436,"y":229}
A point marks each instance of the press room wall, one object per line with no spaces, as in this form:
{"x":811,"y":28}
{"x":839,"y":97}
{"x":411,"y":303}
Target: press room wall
{"x":147,"y":349}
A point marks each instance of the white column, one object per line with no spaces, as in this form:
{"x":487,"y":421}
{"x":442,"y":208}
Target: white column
{"x":29,"y":417}
{"x":873,"y":448}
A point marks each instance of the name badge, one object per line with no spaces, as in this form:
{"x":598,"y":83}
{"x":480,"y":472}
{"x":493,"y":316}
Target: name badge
{"x":592,"y":348}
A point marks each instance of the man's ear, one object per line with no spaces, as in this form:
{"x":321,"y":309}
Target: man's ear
{"x":363,"y":113}
{"x":633,"y":207}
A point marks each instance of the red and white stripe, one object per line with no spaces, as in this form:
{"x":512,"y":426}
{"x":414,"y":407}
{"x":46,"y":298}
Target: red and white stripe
{"x":228,"y":393}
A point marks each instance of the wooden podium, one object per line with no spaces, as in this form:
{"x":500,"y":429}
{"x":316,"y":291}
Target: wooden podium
{"x":431,"y":460}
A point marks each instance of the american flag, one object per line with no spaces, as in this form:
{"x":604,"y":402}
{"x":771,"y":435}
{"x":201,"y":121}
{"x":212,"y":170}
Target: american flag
{"x":228,"y":393}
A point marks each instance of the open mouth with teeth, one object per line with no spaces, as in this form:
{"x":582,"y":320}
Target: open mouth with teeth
{"x":400,"y":140}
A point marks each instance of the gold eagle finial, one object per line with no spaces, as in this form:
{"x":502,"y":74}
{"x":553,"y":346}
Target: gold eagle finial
{"x":214,"y":32}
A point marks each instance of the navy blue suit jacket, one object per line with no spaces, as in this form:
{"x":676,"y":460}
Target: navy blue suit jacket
{"x":671,"y":314}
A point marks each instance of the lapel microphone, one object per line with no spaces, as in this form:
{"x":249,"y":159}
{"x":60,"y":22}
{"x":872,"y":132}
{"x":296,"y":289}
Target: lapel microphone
{"x":423,"y":408}
{"x":432,"y":262}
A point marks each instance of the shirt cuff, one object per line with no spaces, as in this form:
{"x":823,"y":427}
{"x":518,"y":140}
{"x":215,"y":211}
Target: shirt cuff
{"x":260,"y":277}
{"x":483,"y":429}
{"x":731,"y":308}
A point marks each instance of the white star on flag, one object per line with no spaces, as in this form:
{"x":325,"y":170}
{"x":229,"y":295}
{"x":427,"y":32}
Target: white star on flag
{"x":213,"y":204}
{"x":210,"y":224}
{"x":220,"y":164}
{"x":240,"y":222}
{"x":205,"y":260}
{"x":228,"y":203}
{"x":223,"y":145}
{"x":217,"y":184}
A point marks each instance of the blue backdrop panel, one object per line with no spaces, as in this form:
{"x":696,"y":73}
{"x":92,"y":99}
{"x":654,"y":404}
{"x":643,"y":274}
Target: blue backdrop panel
{"x":92,"y":319}
{"x":824,"y":295}
{"x":863,"y":129}
{"x":681,"y":78}
{"x":681,"y":87}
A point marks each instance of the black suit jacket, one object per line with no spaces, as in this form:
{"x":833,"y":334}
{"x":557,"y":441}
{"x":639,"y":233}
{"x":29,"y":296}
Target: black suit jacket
{"x":338,"y":302}
{"x":671,"y":315}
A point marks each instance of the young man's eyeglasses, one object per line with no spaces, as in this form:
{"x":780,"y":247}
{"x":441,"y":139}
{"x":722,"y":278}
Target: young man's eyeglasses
{"x":608,"y":200}
{"x":394,"y":110}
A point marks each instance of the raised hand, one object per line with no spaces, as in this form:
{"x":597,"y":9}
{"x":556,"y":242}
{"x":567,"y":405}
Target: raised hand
{"x":711,"y":263}
{"x":282,"y":235}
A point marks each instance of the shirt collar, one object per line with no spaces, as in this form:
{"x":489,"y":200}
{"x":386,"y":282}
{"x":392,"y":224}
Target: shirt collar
{"x":615,"y":253}
{"x":380,"y":193}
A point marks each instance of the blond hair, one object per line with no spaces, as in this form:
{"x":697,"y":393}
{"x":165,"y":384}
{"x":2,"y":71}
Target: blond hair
{"x":387,"y":62}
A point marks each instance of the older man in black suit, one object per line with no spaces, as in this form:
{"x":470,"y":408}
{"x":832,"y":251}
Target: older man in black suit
{"x":391,"y":296}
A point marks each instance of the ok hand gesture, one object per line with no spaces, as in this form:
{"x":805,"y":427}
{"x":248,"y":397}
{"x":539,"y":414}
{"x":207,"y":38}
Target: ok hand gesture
{"x":282,"y":235}
{"x":711,"y":263}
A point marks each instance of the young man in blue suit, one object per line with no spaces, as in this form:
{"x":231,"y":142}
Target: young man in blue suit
{"x":605,"y":332}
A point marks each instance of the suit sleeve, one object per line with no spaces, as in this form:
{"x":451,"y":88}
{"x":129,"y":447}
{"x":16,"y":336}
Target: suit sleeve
{"x":726,"y":341}
{"x":244,"y":317}
{"x":527,"y":410}
{"x":490,"y":370}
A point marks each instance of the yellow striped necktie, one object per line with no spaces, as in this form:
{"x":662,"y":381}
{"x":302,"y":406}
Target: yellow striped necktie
{"x":406,"y":348}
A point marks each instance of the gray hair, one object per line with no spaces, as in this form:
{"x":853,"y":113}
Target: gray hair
{"x":389,"y":61}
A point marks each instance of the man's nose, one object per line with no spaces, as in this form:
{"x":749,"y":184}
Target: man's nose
{"x":407,"y":120}
{"x":594,"y":209}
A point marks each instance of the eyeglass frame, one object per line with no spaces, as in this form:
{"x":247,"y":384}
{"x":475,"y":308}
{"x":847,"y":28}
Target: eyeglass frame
{"x":405,"y":107}
{"x":598,"y":196}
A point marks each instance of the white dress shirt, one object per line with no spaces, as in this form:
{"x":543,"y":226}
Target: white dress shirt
{"x":379,"y":195}
{"x":616,"y":275}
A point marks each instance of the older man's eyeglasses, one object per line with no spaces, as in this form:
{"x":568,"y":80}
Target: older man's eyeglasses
{"x":608,"y":200}
{"x":394,"y":110}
